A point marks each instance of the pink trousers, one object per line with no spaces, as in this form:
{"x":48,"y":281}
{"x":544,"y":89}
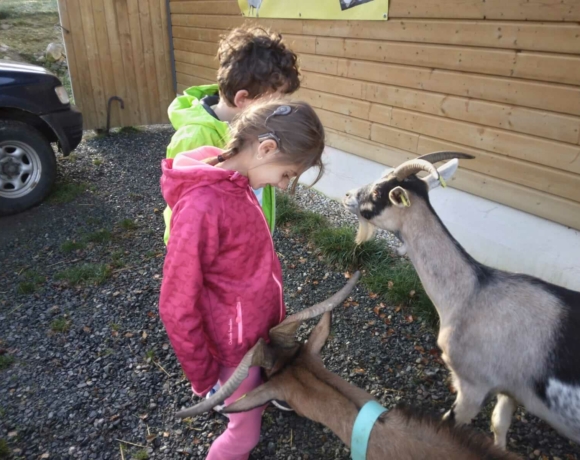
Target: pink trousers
{"x":243,"y":431}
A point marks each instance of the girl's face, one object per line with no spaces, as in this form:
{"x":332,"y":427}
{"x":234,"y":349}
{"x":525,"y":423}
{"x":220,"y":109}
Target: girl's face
{"x":268,"y":168}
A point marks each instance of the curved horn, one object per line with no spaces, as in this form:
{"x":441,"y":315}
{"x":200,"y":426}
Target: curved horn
{"x":325,"y":305}
{"x":283,"y":335}
{"x":436,"y":157}
{"x":259,"y":355}
{"x":412,"y":167}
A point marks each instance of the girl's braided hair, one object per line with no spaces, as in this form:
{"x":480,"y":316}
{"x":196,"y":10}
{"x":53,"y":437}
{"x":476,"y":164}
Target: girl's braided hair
{"x":295,"y":127}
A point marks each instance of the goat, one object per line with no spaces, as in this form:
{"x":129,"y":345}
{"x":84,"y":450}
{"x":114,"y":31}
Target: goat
{"x":297,"y":375}
{"x":501,"y":333}
{"x":255,"y":6}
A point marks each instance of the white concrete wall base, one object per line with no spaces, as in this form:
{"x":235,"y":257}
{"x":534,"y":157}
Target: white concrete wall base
{"x":492,"y":233}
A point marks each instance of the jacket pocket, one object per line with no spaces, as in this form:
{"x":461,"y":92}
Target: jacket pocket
{"x":239,"y":320}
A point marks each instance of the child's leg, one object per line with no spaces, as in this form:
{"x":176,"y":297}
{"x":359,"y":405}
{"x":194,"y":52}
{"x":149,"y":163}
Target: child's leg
{"x":243,"y":431}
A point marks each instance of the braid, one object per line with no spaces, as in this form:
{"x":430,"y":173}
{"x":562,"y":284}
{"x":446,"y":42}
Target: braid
{"x":233,"y":149}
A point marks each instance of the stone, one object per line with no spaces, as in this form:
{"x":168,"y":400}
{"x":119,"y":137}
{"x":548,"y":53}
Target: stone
{"x":54,"y":52}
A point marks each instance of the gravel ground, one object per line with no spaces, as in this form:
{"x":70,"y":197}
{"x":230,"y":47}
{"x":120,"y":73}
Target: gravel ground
{"x":112,"y":380}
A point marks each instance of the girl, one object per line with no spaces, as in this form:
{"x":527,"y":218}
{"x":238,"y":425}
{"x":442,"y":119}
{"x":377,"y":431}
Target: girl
{"x":222,"y":281}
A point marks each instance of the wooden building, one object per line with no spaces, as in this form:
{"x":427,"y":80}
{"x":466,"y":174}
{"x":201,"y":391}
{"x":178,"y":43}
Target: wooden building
{"x":496,"y":78}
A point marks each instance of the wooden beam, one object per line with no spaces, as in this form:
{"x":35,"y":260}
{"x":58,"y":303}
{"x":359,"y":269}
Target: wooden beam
{"x":550,"y":125}
{"x":531,"y":10}
{"x":525,"y":93}
{"x":507,"y":63}
{"x":541,"y":204}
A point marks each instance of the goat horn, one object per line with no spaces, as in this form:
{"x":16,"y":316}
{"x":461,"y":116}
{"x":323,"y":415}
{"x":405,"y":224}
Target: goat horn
{"x":283,"y":335}
{"x":436,"y":157}
{"x":326,"y":305}
{"x":414,"y":166}
{"x":259,"y":355}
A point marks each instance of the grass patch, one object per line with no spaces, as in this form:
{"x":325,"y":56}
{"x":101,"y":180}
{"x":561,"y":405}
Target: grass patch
{"x":117,"y":260}
{"x":60,"y":325}
{"x":388,"y":275}
{"x":115,"y":327}
{"x":100,"y":236}
{"x":85,"y":274}
{"x":140,"y":455}
{"x":93,"y":221}
{"x":97,"y":162}
{"x":4,"y":449}
{"x":128,"y":130}
{"x":128,"y":224}
{"x":26,"y":288}
{"x":65,"y":192}
{"x":70,"y":245}
{"x":5,"y":13}
{"x":6,"y":361}
{"x":32,"y":280}
{"x":150,"y":355}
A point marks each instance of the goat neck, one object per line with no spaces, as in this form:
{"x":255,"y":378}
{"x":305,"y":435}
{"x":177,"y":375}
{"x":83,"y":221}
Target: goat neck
{"x":399,"y":433}
{"x":447,"y":272}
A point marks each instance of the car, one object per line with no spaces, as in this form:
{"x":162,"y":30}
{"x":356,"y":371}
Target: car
{"x":35,"y":112}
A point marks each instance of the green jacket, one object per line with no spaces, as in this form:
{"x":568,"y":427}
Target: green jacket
{"x":195,"y":127}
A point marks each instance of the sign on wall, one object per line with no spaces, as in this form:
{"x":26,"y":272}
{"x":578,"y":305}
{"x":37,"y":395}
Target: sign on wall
{"x":370,"y":10}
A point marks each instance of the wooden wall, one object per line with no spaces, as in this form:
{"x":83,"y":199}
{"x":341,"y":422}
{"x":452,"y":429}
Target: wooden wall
{"x":119,"y":48}
{"x":478,"y":76}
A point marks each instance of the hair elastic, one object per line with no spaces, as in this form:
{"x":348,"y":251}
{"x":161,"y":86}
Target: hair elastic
{"x":220,"y":159}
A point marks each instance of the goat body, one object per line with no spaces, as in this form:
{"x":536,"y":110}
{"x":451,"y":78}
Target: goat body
{"x":501,"y":333}
{"x":297,"y":375}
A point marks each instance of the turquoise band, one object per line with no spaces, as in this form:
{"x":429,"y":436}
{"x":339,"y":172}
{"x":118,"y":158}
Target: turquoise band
{"x":361,"y":431}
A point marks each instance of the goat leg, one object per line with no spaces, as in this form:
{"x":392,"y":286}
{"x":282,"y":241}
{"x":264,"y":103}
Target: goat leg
{"x":501,"y":419}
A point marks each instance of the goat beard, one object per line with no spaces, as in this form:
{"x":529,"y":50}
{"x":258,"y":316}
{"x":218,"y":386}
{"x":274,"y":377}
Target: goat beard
{"x":365,"y":232}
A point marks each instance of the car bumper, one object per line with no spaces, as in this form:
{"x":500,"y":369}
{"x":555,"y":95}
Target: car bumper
{"x":68,"y":127}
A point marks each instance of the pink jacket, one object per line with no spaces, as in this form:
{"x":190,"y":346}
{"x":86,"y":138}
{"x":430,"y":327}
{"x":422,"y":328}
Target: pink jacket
{"x":222,"y":281}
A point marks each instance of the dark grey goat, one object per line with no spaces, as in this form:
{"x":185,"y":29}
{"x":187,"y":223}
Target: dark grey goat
{"x":501,"y":333}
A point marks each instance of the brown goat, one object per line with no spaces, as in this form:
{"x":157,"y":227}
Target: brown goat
{"x":296,"y":374}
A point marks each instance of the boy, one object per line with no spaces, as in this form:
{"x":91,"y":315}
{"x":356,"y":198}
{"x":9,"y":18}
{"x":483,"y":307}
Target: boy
{"x":254,"y":63}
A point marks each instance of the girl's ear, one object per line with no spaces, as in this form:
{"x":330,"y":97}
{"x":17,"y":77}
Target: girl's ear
{"x":241,"y":99}
{"x":267,"y":148}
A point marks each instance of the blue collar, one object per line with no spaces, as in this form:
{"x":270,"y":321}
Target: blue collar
{"x":361,"y":431}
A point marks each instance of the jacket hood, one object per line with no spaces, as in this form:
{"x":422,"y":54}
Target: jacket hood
{"x":187,"y":109}
{"x":187,"y":171}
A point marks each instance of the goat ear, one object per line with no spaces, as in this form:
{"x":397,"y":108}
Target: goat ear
{"x":284,"y":334}
{"x":255,"y":398}
{"x":446,"y":172}
{"x":319,"y":335}
{"x":399,"y":197}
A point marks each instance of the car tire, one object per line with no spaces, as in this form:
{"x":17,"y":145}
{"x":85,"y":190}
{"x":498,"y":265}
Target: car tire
{"x":27,"y":167}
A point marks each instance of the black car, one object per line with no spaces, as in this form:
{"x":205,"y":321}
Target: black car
{"x":34,"y":113}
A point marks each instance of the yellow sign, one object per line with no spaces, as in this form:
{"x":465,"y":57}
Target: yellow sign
{"x":370,"y":10}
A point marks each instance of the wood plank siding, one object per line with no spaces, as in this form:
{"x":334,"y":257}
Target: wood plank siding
{"x":119,"y":48}
{"x":499,"y":79}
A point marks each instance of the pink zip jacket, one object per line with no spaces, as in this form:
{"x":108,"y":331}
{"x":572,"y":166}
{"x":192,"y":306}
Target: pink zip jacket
{"x":222,"y":281}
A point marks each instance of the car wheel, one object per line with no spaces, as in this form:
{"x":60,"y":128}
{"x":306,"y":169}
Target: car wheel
{"x":27,"y":167}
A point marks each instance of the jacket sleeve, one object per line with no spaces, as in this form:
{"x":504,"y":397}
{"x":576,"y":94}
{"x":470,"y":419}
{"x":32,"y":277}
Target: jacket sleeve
{"x":193,"y":246}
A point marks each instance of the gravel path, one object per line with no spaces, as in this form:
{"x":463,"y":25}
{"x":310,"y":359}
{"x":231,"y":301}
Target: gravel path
{"x":112,"y":380}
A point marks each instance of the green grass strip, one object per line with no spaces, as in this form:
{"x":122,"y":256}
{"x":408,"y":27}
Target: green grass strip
{"x":392,"y":277}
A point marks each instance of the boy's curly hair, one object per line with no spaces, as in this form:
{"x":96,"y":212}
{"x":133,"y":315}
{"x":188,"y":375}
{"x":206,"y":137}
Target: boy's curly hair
{"x":256,"y":60}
